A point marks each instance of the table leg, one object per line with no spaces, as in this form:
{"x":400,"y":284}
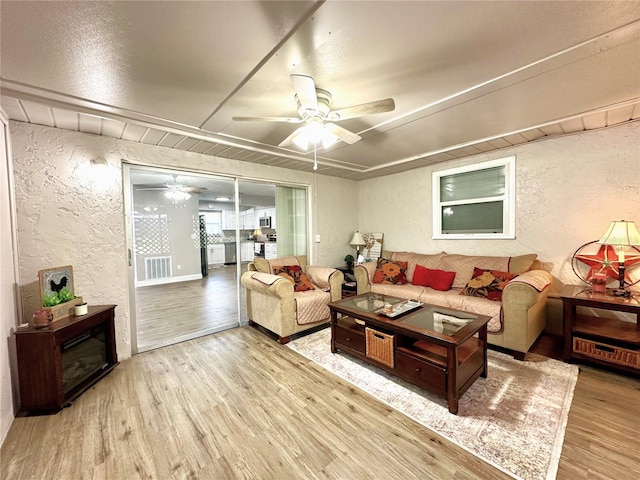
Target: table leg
{"x":452,"y":379}
{"x":482,"y":335}
{"x":568,"y":316}
{"x":334,"y":319}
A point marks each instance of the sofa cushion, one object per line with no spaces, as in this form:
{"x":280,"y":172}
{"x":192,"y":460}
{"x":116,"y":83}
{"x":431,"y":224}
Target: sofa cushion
{"x":488,"y":284}
{"x":407,"y":291}
{"x":477,"y":305}
{"x":389,"y":271}
{"x":436,"y":279}
{"x":267,"y":266}
{"x":463,"y":265}
{"x":432,"y":261}
{"x":312,"y":306}
{"x":296,"y":276}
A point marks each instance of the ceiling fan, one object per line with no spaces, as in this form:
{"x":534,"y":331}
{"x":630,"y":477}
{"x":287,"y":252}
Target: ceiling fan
{"x":314,"y":109}
{"x":174,"y":191}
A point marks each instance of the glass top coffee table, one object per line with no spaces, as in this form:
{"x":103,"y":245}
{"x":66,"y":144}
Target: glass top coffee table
{"x":439,"y":349}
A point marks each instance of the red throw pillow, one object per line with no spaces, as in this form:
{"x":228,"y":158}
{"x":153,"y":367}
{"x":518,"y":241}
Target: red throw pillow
{"x":421,"y":276}
{"x":436,"y":279}
{"x":389,"y":271}
{"x":487,"y":283}
{"x":295,"y":275}
{"x":441,"y":280}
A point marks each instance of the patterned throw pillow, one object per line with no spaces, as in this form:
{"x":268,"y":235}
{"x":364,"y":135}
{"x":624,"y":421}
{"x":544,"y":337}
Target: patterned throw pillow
{"x":487,"y":283}
{"x":388,"y":271}
{"x":295,"y":275}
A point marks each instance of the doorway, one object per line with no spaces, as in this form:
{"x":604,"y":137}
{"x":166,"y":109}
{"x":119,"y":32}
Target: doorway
{"x":190,"y":238}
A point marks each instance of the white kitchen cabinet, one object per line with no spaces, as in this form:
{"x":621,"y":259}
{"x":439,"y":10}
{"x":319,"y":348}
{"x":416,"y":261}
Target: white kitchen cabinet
{"x":247,"y":219}
{"x":218,"y":254}
{"x":215,"y":254}
{"x":270,"y":251}
{"x":246,"y":251}
{"x":229,"y":220}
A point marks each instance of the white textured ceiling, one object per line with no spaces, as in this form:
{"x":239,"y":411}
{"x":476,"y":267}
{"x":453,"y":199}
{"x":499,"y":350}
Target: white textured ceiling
{"x":466,"y":77}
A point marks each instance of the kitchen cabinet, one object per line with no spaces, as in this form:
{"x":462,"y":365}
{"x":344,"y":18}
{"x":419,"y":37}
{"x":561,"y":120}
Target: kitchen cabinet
{"x":247,"y":219}
{"x":215,"y":254}
{"x":229,"y":220}
{"x":270,"y":251}
{"x":246,"y":251}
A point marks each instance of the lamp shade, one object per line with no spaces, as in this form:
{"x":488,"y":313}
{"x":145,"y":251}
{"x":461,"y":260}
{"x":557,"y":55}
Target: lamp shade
{"x":621,"y":233}
{"x":357,"y":240}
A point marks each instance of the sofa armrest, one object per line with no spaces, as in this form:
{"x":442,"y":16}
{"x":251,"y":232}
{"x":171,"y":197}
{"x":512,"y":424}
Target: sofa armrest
{"x":364,"y":273}
{"x":524,"y":308}
{"x":267,"y":284}
{"x":328,"y":279}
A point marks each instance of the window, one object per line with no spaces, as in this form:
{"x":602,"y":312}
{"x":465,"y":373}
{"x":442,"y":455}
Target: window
{"x":475,"y":201}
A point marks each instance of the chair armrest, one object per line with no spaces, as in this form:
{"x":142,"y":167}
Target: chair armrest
{"x":364,"y":273}
{"x":524,"y":308}
{"x":328,"y":279}
{"x":267,"y":284}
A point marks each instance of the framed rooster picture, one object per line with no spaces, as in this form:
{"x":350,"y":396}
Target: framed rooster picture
{"x":56,"y":283}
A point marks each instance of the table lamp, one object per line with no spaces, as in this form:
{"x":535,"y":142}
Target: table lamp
{"x":620,"y":235}
{"x":357,"y":241}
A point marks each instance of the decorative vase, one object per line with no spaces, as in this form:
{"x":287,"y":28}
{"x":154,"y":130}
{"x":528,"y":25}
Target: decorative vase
{"x":599,"y":283}
{"x":42,"y":318}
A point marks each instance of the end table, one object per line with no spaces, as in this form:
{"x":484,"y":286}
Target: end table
{"x":604,"y":342}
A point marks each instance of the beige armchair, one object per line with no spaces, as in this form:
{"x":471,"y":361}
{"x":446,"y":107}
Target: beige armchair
{"x":273,"y":303}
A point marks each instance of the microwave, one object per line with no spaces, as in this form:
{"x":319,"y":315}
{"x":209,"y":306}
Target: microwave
{"x":265,"y":222}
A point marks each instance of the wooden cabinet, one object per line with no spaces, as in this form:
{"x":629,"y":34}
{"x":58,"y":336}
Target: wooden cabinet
{"x":60,"y":361}
{"x":605,"y":342}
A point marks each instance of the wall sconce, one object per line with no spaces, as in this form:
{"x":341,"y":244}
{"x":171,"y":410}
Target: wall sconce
{"x":620,"y":235}
{"x":98,"y":162}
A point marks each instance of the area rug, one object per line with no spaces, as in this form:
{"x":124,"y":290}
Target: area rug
{"x":514,"y":419}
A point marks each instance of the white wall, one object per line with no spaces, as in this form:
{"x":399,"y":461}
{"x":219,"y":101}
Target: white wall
{"x":568,"y":190}
{"x":68,"y":216}
{"x":8,"y":284}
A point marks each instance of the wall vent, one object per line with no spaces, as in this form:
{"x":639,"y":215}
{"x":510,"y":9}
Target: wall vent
{"x":157,"y":267}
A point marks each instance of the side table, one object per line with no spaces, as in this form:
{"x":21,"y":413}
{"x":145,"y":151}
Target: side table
{"x":605,"y":342}
{"x":349,"y":286}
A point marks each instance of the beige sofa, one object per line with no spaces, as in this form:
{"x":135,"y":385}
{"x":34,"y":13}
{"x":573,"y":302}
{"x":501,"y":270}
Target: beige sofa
{"x":516,"y":321}
{"x":273,"y":303}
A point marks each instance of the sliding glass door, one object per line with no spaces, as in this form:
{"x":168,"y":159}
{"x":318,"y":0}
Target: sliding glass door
{"x":291,"y":208}
{"x":190,"y":237}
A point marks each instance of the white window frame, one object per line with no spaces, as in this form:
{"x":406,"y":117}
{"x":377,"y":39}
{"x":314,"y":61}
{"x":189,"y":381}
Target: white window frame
{"x":508,"y":200}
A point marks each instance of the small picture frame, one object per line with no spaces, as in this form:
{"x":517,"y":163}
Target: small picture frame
{"x":52,"y":280}
{"x":373,"y":248}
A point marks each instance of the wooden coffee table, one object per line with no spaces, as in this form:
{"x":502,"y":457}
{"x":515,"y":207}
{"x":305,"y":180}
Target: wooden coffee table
{"x":442,"y":350}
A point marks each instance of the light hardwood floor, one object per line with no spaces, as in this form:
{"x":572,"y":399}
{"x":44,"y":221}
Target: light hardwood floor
{"x":175,"y":312}
{"x":238,"y":405}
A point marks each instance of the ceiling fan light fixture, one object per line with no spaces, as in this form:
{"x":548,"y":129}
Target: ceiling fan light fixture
{"x":177,"y":195}
{"x":314,"y":133}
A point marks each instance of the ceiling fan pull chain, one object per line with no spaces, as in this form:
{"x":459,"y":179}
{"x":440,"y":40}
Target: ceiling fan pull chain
{"x":315,"y":160}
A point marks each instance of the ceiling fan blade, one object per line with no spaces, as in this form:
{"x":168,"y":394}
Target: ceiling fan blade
{"x":287,"y":142}
{"x":305,"y":89}
{"x":268,"y":119}
{"x":195,"y":190}
{"x":342,"y":133}
{"x":370,"y":108}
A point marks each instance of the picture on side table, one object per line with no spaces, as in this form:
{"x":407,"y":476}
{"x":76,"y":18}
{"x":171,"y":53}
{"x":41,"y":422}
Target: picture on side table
{"x":373,"y":248}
